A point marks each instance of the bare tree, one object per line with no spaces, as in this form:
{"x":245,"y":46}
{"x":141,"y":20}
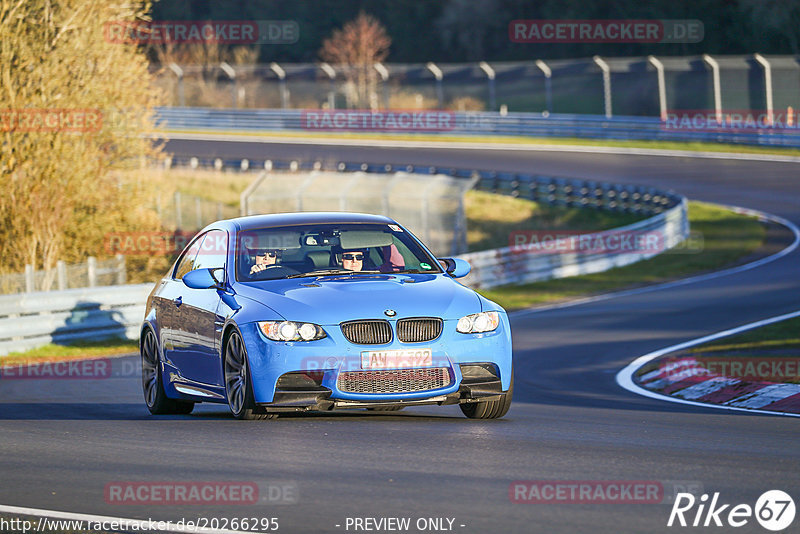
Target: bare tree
{"x":357,"y":47}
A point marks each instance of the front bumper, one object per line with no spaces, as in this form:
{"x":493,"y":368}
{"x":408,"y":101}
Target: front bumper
{"x":334,"y":355}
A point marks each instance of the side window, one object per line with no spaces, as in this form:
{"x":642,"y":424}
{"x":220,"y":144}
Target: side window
{"x":213,"y":251}
{"x":186,"y":263}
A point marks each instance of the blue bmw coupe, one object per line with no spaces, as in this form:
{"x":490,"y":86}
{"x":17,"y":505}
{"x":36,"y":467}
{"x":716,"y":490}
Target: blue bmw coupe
{"x":319,"y":311}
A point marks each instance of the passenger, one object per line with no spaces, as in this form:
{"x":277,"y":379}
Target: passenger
{"x":393,"y":260}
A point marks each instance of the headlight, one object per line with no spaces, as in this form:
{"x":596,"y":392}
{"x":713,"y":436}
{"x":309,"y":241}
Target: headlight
{"x":291,"y":331}
{"x":478,"y":322}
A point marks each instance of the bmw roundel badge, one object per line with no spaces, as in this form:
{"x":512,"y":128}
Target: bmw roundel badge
{"x":389,"y":313}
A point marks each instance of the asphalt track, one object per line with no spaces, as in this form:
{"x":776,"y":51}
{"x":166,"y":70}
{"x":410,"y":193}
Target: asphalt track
{"x":63,"y":441}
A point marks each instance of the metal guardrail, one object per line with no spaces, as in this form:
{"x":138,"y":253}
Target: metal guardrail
{"x":30,"y":320}
{"x":485,"y":123}
{"x":491,"y":268}
{"x":34,"y":319}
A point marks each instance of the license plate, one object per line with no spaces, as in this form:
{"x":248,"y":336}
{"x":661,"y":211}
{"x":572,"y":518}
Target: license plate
{"x":389,"y":359}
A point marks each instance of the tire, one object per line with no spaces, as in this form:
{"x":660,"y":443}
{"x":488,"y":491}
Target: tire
{"x":152,"y":382}
{"x":492,"y":409}
{"x":238,"y":385}
{"x":386,"y":408}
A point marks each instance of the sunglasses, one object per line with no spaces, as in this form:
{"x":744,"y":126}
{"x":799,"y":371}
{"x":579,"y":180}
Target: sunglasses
{"x":269,"y":254}
{"x":353,"y":257}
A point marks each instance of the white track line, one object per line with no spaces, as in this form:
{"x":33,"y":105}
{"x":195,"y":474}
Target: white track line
{"x":692,"y":279}
{"x":625,"y":377}
{"x":88,"y":518}
{"x":467,"y":145}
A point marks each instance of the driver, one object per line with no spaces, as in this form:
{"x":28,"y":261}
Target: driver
{"x":353,"y":260}
{"x":264,"y":259}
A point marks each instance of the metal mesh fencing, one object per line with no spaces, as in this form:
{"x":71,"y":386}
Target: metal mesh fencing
{"x":431,"y":206}
{"x":556,"y":86}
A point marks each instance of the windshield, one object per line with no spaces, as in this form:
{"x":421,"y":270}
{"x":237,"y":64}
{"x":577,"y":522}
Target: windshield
{"x":329,"y":249}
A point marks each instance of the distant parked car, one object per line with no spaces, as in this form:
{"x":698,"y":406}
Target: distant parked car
{"x":321,"y":311}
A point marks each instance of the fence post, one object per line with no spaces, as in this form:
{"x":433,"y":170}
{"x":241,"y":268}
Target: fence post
{"x":29,"y":278}
{"x":122,"y":275}
{"x":198,"y":212}
{"x":548,"y":86}
{"x":438,"y":75}
{"x":178,"y":218}
{"x":606,"y":84}
{"x":61,"y":272}
{"x":91,"y":269}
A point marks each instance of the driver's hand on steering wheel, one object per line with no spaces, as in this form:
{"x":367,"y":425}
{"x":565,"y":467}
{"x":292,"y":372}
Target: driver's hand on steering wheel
{"x":259,"y":267}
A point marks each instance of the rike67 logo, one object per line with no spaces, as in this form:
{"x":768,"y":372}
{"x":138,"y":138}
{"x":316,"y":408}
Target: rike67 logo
{"x":774,"y":510}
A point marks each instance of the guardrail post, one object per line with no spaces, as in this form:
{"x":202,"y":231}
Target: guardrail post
{"x":122,"y":275}
{"x":29,"y":278}
{"x":91,"y":270}
{"x":61,"y":274}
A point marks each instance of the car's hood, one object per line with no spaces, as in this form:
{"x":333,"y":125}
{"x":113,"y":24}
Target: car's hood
{"x":333,"y":299}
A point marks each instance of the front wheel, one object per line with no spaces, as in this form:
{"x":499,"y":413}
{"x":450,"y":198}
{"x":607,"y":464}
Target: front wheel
{"x":152,"y":383}
{"x":238,"y":385}
{"x":492,"y":409}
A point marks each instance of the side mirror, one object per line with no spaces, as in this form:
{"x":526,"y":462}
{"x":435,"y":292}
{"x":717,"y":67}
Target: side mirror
{"x":455,"y":267}
{"x":202,"y":279}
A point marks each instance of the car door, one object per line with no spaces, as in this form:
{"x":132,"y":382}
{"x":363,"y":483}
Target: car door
{"x":199,"y":325}
{"x":168,"y":303}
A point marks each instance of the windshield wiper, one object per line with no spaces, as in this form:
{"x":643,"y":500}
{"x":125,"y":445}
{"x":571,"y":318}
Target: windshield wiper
{"x":319,"y":272}
{"x":326,"y":272}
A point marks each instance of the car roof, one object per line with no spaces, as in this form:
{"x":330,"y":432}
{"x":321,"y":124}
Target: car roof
{"x":309,"y":217}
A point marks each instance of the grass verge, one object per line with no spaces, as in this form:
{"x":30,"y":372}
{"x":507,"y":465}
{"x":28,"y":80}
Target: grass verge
{"x":781,"y":335}
{"x":87,"y":349}
{"x":726,"y":237}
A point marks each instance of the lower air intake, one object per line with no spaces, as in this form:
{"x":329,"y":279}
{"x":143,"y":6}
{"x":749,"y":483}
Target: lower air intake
{"x":394,"y":381}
